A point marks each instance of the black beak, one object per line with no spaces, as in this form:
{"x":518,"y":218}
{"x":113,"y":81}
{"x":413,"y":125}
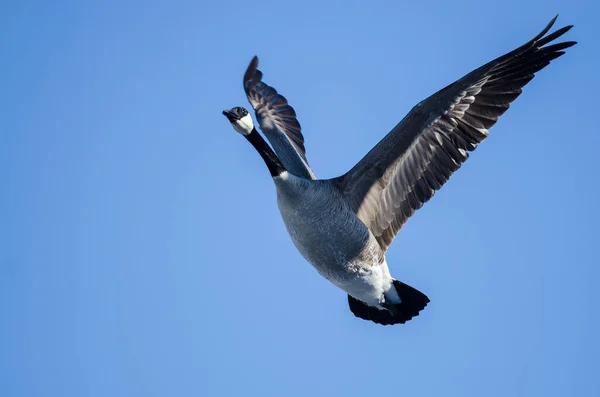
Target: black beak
{"x":230,"y":116}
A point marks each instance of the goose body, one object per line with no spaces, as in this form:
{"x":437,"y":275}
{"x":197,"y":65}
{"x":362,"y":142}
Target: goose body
{"x":344,"y":226}
{"x":314,"y":213}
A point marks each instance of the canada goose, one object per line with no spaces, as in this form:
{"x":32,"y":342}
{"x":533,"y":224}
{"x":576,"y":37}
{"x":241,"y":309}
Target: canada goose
{"x":344,"y":226}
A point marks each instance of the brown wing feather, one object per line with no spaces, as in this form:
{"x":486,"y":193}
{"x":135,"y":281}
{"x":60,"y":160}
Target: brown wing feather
{"x":277,"y":119}
{"x":419,"y":155}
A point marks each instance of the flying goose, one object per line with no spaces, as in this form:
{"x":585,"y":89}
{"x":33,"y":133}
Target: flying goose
{"x":344,"y":226}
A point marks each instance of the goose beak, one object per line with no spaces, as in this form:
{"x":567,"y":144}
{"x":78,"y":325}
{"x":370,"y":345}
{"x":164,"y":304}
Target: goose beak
{"x":230,"y":116}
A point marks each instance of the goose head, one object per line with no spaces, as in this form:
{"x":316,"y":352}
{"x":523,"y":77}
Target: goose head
{"x":240,"y":120}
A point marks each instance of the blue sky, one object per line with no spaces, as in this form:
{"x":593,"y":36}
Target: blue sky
{"x":142,"y":253}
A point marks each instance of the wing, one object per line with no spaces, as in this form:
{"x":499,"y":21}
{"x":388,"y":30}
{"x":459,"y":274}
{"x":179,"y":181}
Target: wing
{"x":277,"y":120}
{"x":417,"y":157}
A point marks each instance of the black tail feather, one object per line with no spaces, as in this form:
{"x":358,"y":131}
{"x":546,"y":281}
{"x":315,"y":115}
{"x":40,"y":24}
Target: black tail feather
{"x":412,"y":302}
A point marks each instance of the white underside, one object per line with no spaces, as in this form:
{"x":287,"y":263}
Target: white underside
{"x":373,"y":286}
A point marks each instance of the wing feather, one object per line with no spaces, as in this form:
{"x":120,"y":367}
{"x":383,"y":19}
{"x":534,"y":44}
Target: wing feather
{"x":419,"y":155}
{"x":277,"y":120}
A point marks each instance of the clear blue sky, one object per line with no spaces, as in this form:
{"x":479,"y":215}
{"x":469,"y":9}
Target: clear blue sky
{"x":142,"y":253}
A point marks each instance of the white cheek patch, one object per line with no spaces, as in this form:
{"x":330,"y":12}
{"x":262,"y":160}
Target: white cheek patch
{"x":244,"y":125}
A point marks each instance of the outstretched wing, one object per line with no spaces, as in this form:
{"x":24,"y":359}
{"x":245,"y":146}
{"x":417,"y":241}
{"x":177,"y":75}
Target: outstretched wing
{"x":417,"y":157}
{"x":277,"y":120}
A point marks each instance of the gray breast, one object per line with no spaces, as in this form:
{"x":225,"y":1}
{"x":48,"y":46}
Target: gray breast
{"x":324,"y":229}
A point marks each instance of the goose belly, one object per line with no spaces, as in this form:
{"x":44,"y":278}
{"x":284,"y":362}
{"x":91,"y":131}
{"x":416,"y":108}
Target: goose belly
{"x":331,"y":238}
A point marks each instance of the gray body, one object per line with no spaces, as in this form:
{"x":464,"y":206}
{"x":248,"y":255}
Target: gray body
{"x":330,"y":236}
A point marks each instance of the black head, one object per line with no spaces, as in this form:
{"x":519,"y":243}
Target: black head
{"x":240,"y":120}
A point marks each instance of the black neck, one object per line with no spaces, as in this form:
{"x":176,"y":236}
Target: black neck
{"x":271,"y":160}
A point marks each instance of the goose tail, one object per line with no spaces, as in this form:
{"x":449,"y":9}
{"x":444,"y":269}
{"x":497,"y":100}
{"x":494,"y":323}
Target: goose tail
{"x":412,"y":301}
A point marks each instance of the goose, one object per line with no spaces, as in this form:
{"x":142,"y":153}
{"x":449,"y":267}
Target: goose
{"x":344,"y":226}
